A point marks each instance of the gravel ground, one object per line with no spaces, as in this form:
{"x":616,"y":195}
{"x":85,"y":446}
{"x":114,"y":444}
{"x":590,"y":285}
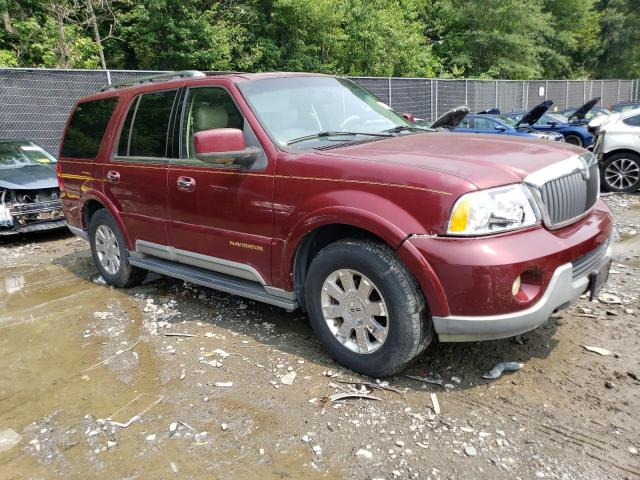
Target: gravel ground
{"x":168,"y":380}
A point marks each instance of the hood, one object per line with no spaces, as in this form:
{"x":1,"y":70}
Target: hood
{"x":533,"y":115}
{"x":452,"y":118}
{"x":581,"y":112}
{"x":484,"y":160}
{"x":28,"y":178}
{"x":490,"y":111}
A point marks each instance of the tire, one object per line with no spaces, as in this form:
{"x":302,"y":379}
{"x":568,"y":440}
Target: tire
{"x":573,"y":140}
{"x":620,"y":172}
{"x":394,"y":294}
{"x":107,"y":242}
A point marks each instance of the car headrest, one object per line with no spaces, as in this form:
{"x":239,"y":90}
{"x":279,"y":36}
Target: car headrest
{"x":207,"y":117}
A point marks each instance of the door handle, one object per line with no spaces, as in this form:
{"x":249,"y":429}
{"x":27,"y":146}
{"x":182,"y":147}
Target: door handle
{"x":186,"y":184}
{"x":113,"y":176}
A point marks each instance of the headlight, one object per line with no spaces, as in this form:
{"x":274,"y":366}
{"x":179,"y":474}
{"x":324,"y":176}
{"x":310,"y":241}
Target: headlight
{"x":492,"y":211}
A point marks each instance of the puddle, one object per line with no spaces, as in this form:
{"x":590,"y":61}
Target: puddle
{"x":55,"y":324}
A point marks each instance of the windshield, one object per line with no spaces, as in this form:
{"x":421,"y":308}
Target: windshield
{"x":22,"y":154}
{"x":293,"y":108}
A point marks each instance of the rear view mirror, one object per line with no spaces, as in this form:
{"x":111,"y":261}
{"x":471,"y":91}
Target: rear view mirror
{"x":224,"y":146}
{"x":500,"y":128}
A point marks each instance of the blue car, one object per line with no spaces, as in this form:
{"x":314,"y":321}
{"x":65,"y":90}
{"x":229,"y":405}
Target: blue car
{"x":493,"y":123}
{"x":538,"y":119}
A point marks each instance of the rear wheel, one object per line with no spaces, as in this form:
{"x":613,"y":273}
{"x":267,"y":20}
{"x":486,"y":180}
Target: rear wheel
{"x":110,"y":253}
{"x":573,"y":140}
{"x":621,"y":173}
{"x":366,"y":307}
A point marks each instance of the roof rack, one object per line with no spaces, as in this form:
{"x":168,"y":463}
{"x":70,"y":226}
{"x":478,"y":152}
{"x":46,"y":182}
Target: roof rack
{"x":152,"y":78}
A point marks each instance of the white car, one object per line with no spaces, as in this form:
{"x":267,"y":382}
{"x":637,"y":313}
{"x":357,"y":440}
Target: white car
{"x":618,"y":150}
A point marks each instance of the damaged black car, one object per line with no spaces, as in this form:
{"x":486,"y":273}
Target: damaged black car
{"x":29,"y":193}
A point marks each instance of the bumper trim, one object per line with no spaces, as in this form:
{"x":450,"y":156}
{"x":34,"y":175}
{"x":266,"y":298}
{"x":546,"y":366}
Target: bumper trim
{"x":561,"y":291}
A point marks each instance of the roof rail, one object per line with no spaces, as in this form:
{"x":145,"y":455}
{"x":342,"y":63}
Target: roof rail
{"x":152,"y":78}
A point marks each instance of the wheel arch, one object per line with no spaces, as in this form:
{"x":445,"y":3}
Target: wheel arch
{"x":93,"y":202}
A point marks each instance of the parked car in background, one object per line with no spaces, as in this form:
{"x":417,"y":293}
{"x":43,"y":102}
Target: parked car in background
{"x":497,"y":124}
{"x":539,"y":119}
{"x":305,"y":191}
{"x":624,"y":106}
{"x":618,"y":150}
{"x":29,"y":193}
{"x":584,"y":114}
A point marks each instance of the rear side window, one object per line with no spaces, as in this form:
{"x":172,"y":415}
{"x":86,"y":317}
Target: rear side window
{"x":86,"y":128}
{"x":633,"y":121}
{"x":144,"y":133}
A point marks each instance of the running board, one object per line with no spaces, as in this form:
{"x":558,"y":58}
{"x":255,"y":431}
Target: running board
{"x":217,"y":281}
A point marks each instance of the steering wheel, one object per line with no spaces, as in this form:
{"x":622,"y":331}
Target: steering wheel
{"x":348,"y":120}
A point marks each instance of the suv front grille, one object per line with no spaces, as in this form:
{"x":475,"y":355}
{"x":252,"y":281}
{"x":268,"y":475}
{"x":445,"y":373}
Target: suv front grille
{"x":566,"y":191}
{"x":569,"y":197}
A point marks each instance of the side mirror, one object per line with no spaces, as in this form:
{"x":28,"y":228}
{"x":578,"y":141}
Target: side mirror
{"x":500,"y":128}
{"x":552,"y":124}
{"x":224,"y":146}
{"x":408,"y":116}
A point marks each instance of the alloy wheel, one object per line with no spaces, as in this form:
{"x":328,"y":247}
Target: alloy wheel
{"x":622,"y":173}
{"x":355,"y":311}
{"x":107,"y":249}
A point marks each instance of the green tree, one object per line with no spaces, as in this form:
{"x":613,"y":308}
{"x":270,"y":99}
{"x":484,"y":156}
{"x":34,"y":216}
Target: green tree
{"x":620,"y":23}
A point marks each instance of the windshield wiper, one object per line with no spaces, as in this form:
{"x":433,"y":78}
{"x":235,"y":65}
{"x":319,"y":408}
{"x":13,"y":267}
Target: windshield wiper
{"x":402,"y":128}
{"x":334,"y":134}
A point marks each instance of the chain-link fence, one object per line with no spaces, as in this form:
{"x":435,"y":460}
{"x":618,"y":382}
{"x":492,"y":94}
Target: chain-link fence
{"x":34,"y":103}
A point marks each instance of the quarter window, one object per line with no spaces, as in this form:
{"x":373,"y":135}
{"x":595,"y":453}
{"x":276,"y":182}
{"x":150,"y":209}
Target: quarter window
{"x":145,"y":130}
{"x":86,"y":128}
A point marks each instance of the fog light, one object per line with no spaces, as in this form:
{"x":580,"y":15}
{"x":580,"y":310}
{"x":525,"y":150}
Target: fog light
{"x":516,"y":286}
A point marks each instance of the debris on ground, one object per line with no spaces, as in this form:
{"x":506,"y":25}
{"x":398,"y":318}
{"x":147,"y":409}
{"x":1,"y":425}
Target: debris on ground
{"x":288,"y":378}
{"x":8,"y":439}
{"x":501,"y":367}
{"x":343,"y":396}
{"x":435,"y":404}
{"x":600,"y":351}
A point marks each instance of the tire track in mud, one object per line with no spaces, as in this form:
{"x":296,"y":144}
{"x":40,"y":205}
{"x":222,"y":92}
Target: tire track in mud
{"x":601,"y":450}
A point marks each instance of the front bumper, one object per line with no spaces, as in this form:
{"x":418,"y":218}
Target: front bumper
{"x":568,"y":282}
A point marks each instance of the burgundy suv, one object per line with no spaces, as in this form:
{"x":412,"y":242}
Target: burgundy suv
{"x":306,"y":191}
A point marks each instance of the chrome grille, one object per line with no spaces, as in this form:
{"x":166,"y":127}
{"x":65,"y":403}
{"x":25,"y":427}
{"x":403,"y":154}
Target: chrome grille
{"x":567,"y":190}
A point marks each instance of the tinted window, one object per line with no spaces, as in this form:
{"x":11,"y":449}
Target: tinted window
{"x":151,"y":124}
{"x":208,"y":108}
{"x":633,"y":121}
{"x":86,"y":128}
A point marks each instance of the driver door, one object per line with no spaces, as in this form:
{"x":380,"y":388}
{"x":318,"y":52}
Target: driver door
{"x":221,"y":217}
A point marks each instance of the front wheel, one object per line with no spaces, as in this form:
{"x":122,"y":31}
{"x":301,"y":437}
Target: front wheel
{"x":621,"y":173}
{"x":573,"y":140}
{"x":110,"y":253}
{"x":366,"y":307}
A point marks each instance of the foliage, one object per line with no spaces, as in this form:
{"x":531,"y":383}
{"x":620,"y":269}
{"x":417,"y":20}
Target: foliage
{"x":447,"y":38}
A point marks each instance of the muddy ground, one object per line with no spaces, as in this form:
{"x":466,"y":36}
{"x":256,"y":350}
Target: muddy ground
{"x":77,"y":356}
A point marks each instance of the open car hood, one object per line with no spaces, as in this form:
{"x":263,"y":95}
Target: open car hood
{"x":581,"y":112}
{"x":490,"y":111}
{"x":452,"y":118}
{"x":533,"y":115}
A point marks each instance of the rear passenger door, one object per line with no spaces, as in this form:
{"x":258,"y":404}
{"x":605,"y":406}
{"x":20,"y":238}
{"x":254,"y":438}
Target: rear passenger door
{"x":136,"y":177}
{"x":224,"y":220}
